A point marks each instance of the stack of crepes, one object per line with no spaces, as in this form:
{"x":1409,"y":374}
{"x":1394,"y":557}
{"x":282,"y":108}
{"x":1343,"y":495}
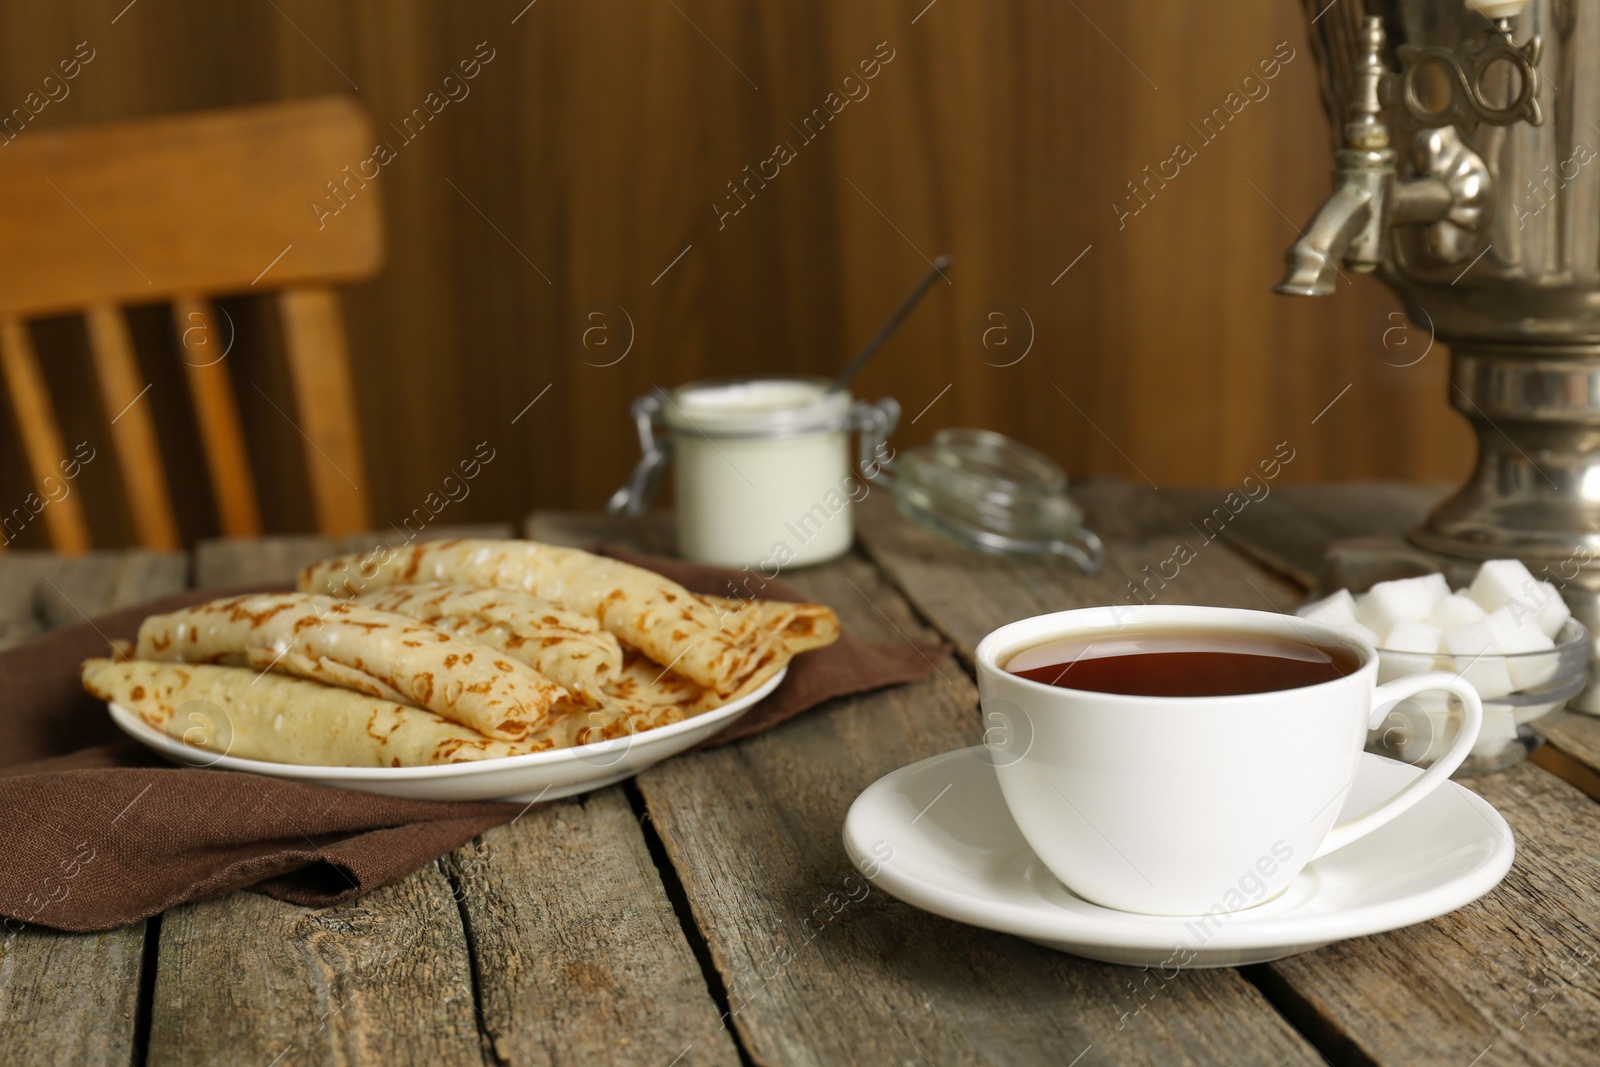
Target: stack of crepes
{"x":450,"y":651}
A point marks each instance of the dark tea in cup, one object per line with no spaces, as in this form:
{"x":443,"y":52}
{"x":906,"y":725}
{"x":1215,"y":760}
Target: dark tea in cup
{"x":1183,"y":663}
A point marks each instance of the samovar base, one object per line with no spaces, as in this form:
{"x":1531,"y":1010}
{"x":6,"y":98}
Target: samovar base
{"x":1534,"y":493}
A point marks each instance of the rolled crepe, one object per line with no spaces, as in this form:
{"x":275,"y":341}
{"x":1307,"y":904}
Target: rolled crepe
{"x":374,"y":652}
{"x":233,"y":711}
{"x":652,"y":696}
{"x":570,"y":649}
{"x":793,"y":627}
{"x":658,"y":616}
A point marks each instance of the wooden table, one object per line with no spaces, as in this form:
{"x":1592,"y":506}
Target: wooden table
{"x":639,"y":924}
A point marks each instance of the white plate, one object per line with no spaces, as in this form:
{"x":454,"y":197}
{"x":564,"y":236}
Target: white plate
{"x":561,"y":772}
{"x":939,"y":836}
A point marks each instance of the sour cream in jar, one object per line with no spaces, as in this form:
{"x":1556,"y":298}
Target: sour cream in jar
{"x":763,"y":471}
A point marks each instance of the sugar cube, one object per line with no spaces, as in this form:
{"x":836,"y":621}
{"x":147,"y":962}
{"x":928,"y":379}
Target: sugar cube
{"x":1338,"y":611}
{"x":1473,"y":639}
{"x":1409,"y":648}
{"x":1518,"y":636}
{"x":1455,"y":610}
{"x":1553,"y":611}
{"x":1499,"y":730}
{"x":1498,"y":581}
{"x":1533,"y":670}
{"x":1403,"y":600}
{"x":1477,"y":657}
{"x":1507,"y":583}
{"x":1341,"y":606}
{"x":1414,"y":637}
{"x":1514,"y":632}
{"x":1540,"y":604}
{"x":1369,"y":636}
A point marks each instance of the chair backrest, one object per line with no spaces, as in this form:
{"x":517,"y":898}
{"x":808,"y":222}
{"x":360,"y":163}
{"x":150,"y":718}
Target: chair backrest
{"x":179,"y":210}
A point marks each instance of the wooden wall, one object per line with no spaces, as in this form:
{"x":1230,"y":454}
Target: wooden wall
{"x":597,"y":143}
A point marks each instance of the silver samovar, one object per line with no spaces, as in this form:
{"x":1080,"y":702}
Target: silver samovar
{"x":1467,"y":176}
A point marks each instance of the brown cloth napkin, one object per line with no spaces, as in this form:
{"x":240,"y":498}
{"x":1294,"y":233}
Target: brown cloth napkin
{"x":96,"y":831}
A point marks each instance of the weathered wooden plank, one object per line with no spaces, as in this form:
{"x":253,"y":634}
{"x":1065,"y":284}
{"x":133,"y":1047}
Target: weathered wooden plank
{"x":1577,"y":736}
{"x":753,"y":832}
{"x":263,"y":560}
{"x":72,"y":998}
{"x":245,"y":979}
{"x":1153,"y":555}
{"x":19,"y":617}
{"x":1116,"y":514}
{"x":41,"y":590}
{"x":69,"y":998}
{"x":1545,"y":907}
{"x":1511,"y":979}
{"x":277,"y":560}
{"x":75,"y":588}
{"x":1290,"y":529}
{"x":579,"y":955}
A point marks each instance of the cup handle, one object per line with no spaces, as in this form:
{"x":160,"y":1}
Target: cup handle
{"x":1387,"y":695}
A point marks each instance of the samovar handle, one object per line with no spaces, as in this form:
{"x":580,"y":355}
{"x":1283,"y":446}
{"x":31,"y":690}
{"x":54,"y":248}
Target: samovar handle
{"x":1465,"y":69}
{"x":1453,"y":188}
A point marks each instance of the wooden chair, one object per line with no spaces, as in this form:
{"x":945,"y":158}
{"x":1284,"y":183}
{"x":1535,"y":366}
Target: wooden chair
{"x":178,"y":210}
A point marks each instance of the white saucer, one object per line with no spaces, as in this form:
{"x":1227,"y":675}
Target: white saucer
{"x":939,"y":836}
{"x":561,"y":772}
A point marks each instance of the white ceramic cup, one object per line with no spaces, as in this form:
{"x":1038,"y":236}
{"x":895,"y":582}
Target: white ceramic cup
{"x":1191,"y":805}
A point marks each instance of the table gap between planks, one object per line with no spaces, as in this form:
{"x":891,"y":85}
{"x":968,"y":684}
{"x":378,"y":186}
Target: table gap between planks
{"x":706,"y":913}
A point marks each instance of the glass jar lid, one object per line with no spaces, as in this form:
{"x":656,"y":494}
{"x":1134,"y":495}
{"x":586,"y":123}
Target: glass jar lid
{"x":756,"y":407}
{"x":994,"y":494}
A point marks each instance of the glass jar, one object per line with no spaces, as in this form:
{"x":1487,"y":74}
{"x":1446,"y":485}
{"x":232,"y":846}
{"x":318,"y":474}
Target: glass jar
{"x":764,"y":476}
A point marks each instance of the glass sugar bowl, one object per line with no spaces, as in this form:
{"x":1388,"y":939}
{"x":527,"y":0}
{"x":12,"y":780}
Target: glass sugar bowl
{"x":1516,"y":689}
{"x":764,"y":472}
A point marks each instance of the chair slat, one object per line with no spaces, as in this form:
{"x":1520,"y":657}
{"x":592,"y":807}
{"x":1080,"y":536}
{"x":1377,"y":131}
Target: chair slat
{"x":202,"y":349}
{"x":319,"y":364}
{"x":221,"y":202}
{"x":133,"y":428}
{"x":42,"y":443}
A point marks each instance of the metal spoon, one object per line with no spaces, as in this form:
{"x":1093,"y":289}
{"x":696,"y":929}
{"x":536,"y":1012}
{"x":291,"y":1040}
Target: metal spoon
{"x":893,"y":323}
